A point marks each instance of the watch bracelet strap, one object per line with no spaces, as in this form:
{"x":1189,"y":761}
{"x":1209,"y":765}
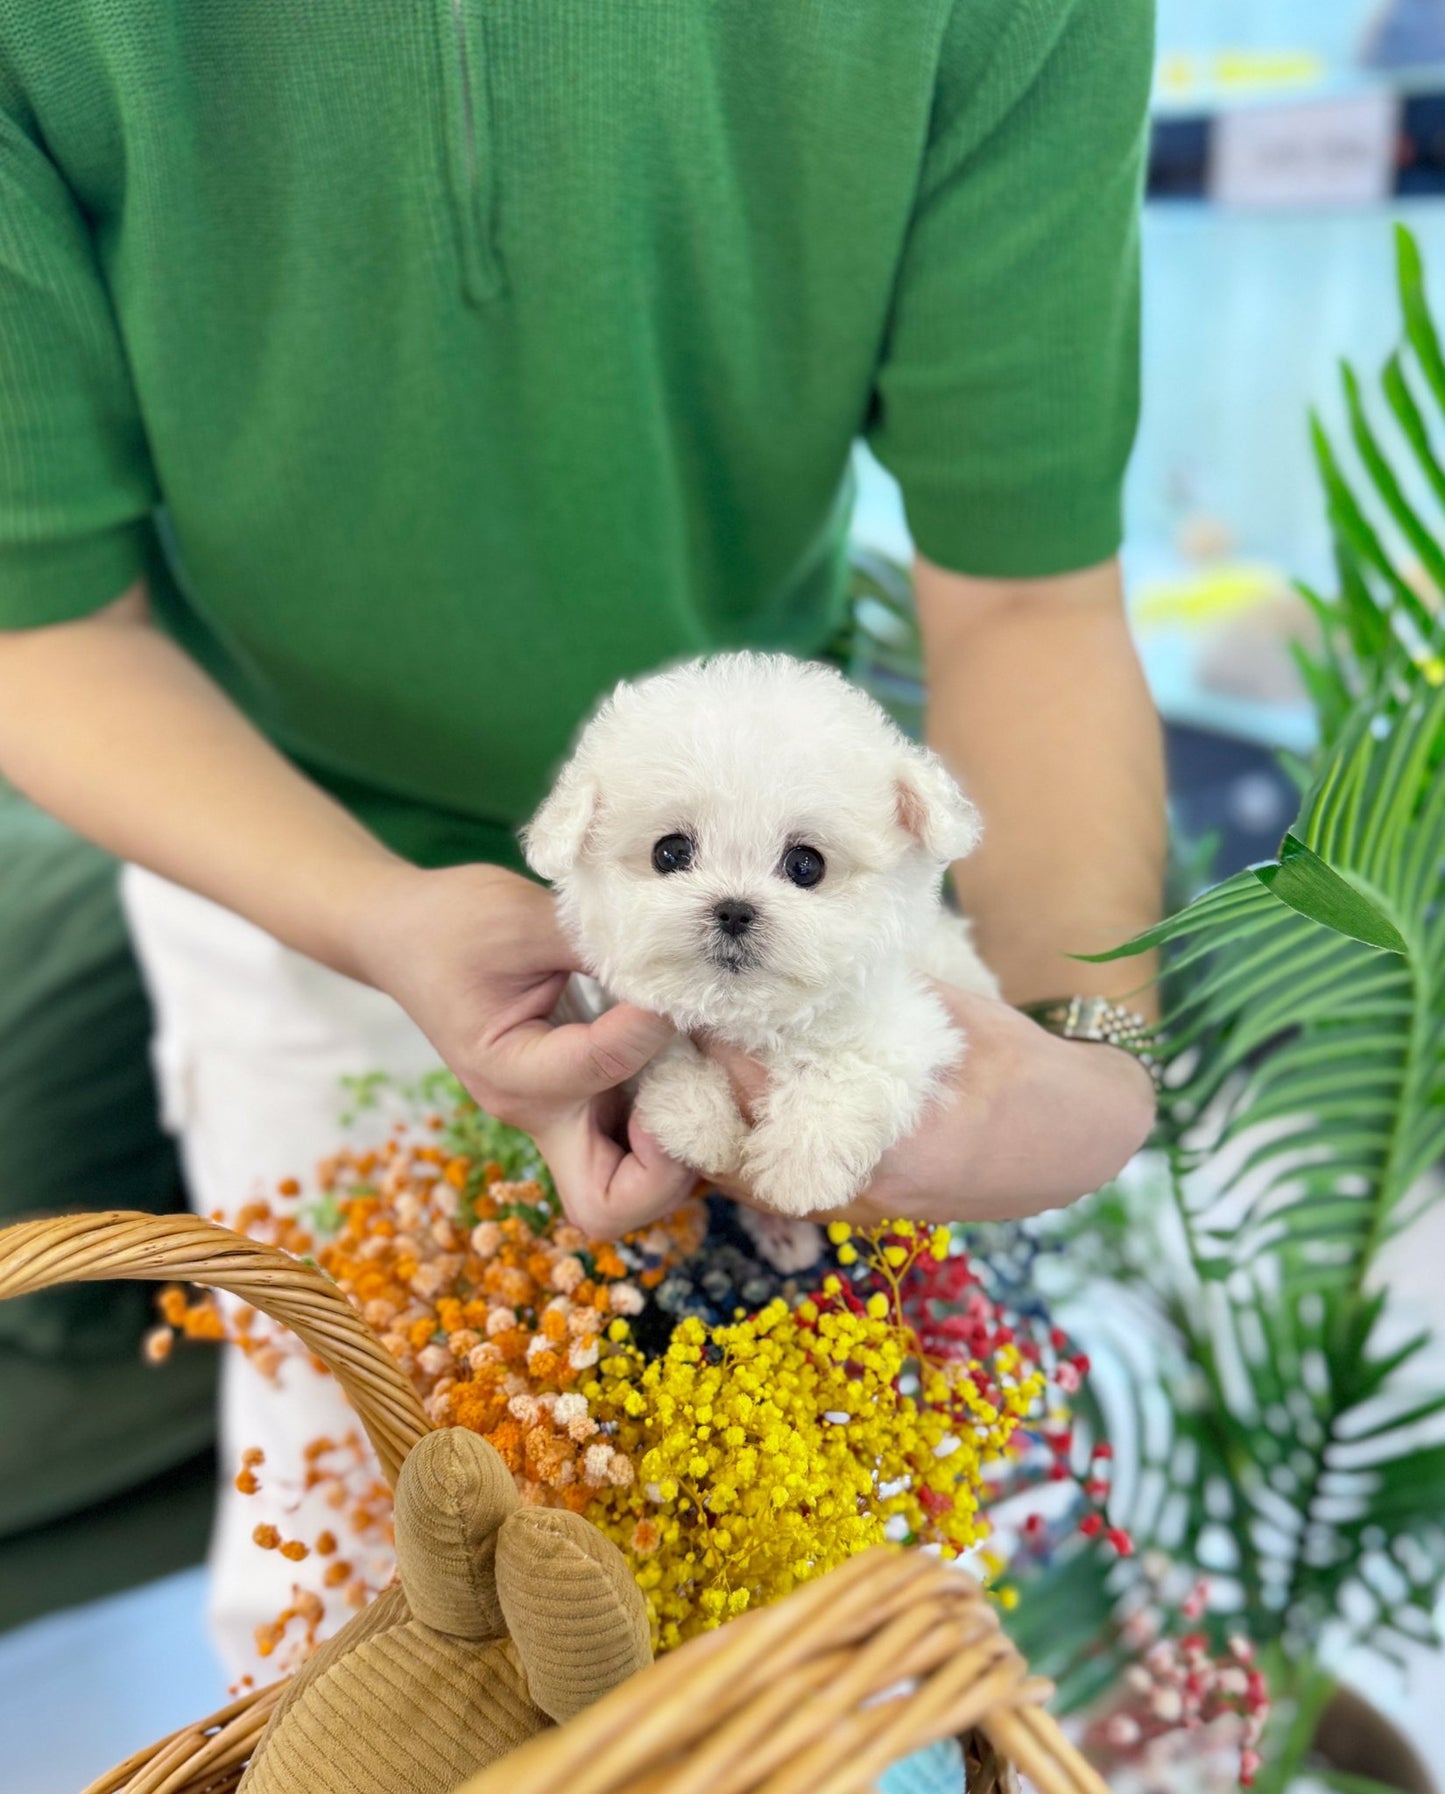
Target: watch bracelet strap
{"x":1103,"y":1020}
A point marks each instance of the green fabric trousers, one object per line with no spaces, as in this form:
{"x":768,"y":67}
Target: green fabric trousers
{"x":99,"y":1453}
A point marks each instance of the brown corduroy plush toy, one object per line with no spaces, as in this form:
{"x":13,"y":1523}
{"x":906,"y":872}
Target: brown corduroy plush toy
{"x":506,"y":1620}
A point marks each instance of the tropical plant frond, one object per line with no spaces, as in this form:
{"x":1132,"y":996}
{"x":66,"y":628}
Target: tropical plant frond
{"x":1279,"y":1433}
{"x":1309,"y":1045}
{"x":1285,"y":1438}
{"x":1292,"y":1463}
{"x":1388,"y":611}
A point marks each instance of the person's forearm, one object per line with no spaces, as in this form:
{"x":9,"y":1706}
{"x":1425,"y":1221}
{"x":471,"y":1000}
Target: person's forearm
{"x":1038,"y":704}
{"x":108,"y":725}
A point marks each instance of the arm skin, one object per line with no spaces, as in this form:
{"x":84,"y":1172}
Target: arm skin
{"x":1038,"y":704}
{"x":111,"y":727}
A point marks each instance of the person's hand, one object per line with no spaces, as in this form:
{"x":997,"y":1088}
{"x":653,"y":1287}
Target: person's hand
{"x":474,"y":955}
{"x":1028,"y":1122}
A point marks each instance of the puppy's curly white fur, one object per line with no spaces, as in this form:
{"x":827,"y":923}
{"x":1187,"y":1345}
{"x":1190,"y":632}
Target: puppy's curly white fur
{"x":748,"y":845}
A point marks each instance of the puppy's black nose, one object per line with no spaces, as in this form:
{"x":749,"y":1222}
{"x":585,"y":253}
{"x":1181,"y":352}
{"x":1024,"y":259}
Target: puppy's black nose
{"x":734,"y":917}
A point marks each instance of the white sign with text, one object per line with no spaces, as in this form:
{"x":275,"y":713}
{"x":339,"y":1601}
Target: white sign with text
{"x":1327,"y":153}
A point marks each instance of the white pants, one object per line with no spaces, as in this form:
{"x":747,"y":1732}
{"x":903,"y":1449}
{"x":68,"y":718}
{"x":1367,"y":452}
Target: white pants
{"x":252,"y":1041}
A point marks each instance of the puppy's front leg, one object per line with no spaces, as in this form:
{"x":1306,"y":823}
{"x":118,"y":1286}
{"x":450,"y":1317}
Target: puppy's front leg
{"x":685,"y":1101}
{"x":822,"y":1129}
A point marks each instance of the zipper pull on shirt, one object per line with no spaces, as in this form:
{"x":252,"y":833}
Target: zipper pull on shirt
{"x":471,"y":152}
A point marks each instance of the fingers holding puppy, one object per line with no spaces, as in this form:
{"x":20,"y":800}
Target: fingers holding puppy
{"x":607,"y":1186}
{"x":576,"y":1061}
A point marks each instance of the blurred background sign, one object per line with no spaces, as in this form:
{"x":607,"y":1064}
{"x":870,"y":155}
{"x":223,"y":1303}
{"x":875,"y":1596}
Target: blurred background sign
{"x":1339,"y":151}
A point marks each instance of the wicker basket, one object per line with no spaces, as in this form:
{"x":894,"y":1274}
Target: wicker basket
{"x":818,"y":1693}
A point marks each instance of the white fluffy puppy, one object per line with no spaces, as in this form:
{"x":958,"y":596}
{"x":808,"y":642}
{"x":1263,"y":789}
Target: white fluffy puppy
{"x":750,"y":847}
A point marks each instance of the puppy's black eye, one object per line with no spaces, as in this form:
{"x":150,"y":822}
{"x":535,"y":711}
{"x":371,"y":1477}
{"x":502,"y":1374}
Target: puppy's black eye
{"x":673,"y":853}
{"x":804,"y":866}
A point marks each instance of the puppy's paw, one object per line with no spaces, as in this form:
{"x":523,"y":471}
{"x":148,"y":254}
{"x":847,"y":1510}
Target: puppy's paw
{"x":686,"y":1103}
{"x":822,"y":1133}
{"x":795,"y":1182}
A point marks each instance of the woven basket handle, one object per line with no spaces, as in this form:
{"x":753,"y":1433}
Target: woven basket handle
{"x":93,"y":1248}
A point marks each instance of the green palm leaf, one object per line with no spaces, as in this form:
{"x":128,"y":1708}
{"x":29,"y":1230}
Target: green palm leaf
{"x":1302,"y":1456}
{"x":1312,"y":1044}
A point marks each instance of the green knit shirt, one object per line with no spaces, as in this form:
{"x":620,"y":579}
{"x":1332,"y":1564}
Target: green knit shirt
{"x":442,"y":361}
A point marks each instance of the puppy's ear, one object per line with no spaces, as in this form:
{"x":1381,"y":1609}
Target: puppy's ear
{"x":556,"y":837}
{"x":931,"y":808}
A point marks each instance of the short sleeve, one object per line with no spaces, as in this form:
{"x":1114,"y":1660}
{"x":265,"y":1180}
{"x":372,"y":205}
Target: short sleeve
{"x":76,"y":490}
{"x":1007,"y":396}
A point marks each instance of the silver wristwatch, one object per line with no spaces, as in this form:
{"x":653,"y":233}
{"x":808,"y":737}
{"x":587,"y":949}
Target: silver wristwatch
{"x":1100,"y":1019}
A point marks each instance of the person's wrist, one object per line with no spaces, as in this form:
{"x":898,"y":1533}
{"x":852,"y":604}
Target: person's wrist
{"x":392,"y":908}
{"x":363,"y":893}
{"x":1125,"y":1086}
{"x":1102,"y":1021}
